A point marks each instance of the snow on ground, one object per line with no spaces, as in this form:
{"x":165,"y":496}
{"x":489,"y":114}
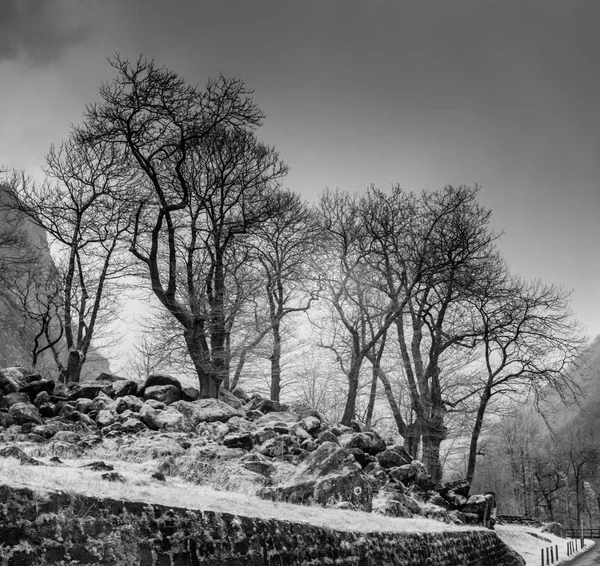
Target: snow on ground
{"x":529,"y":542}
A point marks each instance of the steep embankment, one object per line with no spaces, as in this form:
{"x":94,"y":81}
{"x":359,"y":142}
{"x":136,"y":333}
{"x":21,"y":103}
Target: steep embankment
{"x":41,"y":526}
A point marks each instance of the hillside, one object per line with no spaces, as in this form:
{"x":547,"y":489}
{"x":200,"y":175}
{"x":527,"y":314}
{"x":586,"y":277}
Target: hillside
{"x":97,"y":458}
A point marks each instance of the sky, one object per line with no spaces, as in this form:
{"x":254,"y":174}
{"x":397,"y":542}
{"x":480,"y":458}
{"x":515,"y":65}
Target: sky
{"x":423,"y":93}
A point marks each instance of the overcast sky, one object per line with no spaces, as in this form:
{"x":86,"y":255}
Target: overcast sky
{"x":422,"y":93}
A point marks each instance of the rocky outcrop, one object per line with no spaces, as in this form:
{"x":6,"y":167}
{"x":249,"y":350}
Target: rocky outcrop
{"x":333,"y":466}
{"x":330,"y":475}
{"x":57,"y":528}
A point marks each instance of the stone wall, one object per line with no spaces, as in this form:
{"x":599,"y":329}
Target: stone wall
{"x":59,"y":528}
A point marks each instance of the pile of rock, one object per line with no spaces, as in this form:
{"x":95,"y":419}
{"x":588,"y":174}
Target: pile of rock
{"x":335,"y":465}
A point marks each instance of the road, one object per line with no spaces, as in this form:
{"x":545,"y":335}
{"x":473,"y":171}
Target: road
{"x":591,"y":558}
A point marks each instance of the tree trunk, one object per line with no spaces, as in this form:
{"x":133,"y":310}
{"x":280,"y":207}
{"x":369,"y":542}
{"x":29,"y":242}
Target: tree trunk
{"x":74,"y":365}
{"x":209,"y":380}
{"x":412,"y":438}
{"x":372,"y":396}
{"x":485,"y":397}
{"x":276,"y":364}
{"x":353,"y":380}
{"x":434,"y":432}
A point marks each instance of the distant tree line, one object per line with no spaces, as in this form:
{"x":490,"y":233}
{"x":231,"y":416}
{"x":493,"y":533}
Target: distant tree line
{"x":169,"y":184}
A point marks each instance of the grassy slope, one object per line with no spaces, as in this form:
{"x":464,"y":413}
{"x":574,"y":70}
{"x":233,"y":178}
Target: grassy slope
{"x":178,"y":493}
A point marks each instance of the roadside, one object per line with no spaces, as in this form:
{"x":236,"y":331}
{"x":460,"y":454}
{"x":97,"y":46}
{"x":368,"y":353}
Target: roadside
{"x":530,"y":541}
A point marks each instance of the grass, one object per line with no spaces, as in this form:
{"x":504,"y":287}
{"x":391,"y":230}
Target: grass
{"x":177,"y":492}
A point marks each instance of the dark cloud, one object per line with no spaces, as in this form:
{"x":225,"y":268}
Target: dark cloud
{"x":38,"y":31}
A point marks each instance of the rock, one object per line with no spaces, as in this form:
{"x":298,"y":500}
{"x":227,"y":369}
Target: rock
{"x":190,"y":394}
{"x":158,"y":379}
{"x":166,"y":394}
{"x":303,"y":411}
{"x":109,"y":377}
{"x":312,"y":423}
{"x":240,"y":424}
{"x":165,"y":420}
{"x":67,"y":411}
{"x":302,"y":434}
{"x":126,"y":403}
{"x":390,"y":507}
{"x":48,"y":430}
{"x":32,"y":389}
{"x":327,"y":436}
{"x":84,"y":405}
{"x":101,"y":401}
{"x":278,"y":446}
{"x":230,"y":399}
{"x":122,"y":388}
{"x":16,"y":452}
{"x":329,"y":475}
{"x":459,"y":487}
{"x":258,"y":464}
{"x":105,"y":418}
{"x":14,"y":398}
{"x":263,"y":434}
{"x":363,"y":459}
{"x":479,"y":509}
{"x":379,"y":444}
{"x":99,"y":466}
{"x":357,"y":440}
{"x":265,"y":405}
{"x":132,"y":426}
{"x":67,"y":436}
{"x":84,"y":419}
{"x":205,"y":410}
{"x":22,"y":413}
{"x":155,"y":404}
{"x":238,"y":440}
{"x":47,"y":410}
{"x":11,"y":379}
{"x":87,"y":389}
{"x":241,"y":394}
{"x":6,"y":420}
{"x":113,"y":477}
{"x":404,"y":473}
{"x":394,"y":456}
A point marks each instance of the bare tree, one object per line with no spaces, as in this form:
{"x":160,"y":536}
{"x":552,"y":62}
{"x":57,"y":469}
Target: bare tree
{"x":529,"y":343}
{"x":206,"y":179}
{"x":78,"y":208}
{"x":285,"y":245}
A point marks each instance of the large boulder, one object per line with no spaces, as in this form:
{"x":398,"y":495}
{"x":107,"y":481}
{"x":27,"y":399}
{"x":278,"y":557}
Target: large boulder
{"x":14,"y":398}
{"x":169,"y":420}
{"x":11,"y":379}
{"x":33,"y":388}
{"x":329,"y":475}
{"x":158,"y":379}
{"x":87,"y":389}
{"x":122,"y":387}
{"x":128,"y":402}
{"x":229,"y":398}
{"x":205,"y":410}
{"x":166,"y":394}
{"x":276,"y":417}
{"x":25,"y":413}
{"x":394,"y":456}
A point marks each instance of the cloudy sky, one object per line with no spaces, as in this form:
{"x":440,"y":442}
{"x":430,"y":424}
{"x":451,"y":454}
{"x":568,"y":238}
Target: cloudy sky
{"x":424,"y":93}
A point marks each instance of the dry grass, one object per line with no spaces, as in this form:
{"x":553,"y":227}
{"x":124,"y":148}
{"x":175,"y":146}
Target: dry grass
{"x":179,"y":493}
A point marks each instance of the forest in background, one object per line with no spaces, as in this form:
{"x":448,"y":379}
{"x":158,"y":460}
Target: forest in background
{"x":392,"y":309}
